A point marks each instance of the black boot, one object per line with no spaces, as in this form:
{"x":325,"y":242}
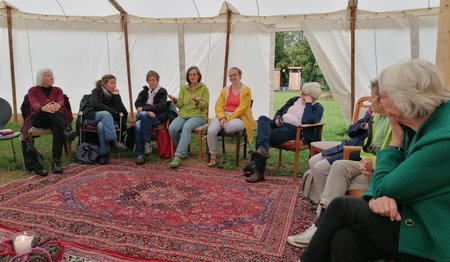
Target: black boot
{"x":249,"y":169}
{"x":116,"y":146}
{"x":260,"y":153}
{"x":69,"y":134}
{"x":56,"y":166}
{"x":41,"y":172}
{"x":103,"y":159}
{"x":255,"y":177}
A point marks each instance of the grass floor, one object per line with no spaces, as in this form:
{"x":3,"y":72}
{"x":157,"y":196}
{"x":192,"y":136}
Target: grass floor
{"x":335,"y":130}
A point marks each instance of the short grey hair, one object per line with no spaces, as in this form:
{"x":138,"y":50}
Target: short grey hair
{"x":40,"y":75}
{"x":312,"y":89}
{"x":416,"y":87}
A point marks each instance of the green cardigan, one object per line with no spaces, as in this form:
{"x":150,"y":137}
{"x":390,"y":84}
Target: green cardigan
{"x":187,"y":107}
{"x":418,"y":178}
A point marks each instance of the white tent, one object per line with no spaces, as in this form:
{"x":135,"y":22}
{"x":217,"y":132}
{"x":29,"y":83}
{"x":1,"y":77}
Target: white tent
{"x":82,"y":40}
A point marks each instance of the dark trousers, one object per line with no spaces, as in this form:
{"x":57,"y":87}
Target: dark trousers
{"x":269,"y":134}
{"x":350,"y":231}
{"x":57,"y":123}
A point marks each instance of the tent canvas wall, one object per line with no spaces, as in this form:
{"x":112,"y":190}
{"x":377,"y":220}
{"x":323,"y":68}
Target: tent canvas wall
{"x":82,"y":40}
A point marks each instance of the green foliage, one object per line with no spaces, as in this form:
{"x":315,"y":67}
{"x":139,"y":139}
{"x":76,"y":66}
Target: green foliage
{"x":292,"y":49}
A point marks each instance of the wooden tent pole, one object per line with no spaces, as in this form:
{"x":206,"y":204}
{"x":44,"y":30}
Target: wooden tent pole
{"x":11,"y":63}
{"x":124,"y":23}
{"x":443,"y":41}
{"x":227,"y":48}
{"x":124,"y":19}
{"x":353,"y":6}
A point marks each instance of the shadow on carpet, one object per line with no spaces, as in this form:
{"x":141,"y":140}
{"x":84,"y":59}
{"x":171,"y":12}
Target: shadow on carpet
{"x":151,"y":212}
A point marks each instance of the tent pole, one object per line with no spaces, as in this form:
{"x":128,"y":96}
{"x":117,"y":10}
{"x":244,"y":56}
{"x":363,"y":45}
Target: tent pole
{"x":124,"y":23}
{"x":11,"y":62}
{"x":227,"y":48}
{"x":353,"y":6}
{"x":443,"y":41}
{"x":124,"y":19}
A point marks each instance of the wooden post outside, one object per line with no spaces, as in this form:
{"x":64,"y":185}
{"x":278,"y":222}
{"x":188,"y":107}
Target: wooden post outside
{"x":443,"y":41}
{"x":11,"y":63}
{"x":124,"y":19}
{"x":353,"y":6}
{"x":227,"y":48}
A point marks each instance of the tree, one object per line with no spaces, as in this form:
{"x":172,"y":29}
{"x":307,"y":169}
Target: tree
{"x":292,"y":49}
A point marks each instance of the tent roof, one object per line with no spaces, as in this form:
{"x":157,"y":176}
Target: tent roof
{"x":179,"y":9}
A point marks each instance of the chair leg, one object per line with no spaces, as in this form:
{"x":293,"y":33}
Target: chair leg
{"x":223,"y":145}
{"x":14,"y":150}
{"x":238,"y":148}
{"x":295,"y":176}
{"x":245,"y":147}
{"x":279,"y":156}
{"x":200,"y":147}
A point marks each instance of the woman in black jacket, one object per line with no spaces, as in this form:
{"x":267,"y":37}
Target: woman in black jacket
{"x":151,"y":107}
{"x":105,"y":106}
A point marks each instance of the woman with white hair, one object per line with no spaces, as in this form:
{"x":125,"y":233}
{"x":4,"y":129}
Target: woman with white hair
{"x":303,"y":109}
{"x":48,"y":111}
{"x":404,"y":214}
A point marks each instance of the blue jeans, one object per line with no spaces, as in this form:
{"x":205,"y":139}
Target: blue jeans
{"x":268,"y":134}
{"x":142,"y":130}
{"x":181,"y":131}
{"x":106,"y":129}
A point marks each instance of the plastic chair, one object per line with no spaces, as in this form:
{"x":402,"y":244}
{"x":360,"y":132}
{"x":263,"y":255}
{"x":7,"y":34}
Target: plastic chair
{"x":5,"y":116}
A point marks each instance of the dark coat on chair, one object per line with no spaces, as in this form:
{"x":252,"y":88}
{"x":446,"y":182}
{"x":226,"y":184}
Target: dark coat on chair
{"x":357,"y":135}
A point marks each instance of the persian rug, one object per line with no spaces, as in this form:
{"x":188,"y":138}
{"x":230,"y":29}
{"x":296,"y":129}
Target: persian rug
{"x":151,"y":212}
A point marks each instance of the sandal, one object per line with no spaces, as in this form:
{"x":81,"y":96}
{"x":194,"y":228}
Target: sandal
{"x":212,"y":163}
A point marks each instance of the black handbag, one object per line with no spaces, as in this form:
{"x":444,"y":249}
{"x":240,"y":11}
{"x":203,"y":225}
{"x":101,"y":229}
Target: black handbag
{"x":87,"y":153}
{"x":34,"y":161}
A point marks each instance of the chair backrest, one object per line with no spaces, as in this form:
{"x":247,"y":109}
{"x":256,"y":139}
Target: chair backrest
{"x":172,"y":111}
{"x":5,"y":112}
{"x":361,"y":107}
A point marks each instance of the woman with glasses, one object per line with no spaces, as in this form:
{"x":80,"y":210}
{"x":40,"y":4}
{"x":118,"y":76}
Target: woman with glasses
{"x":404,"y":214}
{"x":347,"y":175}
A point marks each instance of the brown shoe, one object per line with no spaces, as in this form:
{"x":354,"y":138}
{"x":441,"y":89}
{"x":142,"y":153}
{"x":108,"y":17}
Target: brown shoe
{"x":255,"y":177}
{"x":260,"y":153}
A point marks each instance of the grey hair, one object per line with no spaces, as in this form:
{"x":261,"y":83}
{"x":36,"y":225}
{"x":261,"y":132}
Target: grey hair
{"x":416,"y":87}
{"x":40,"y":75}
{"x":152,"y":73}
{"x":312,"y":89}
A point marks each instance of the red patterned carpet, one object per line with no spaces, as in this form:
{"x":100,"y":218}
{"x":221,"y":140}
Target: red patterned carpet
{"x":152,"y":212}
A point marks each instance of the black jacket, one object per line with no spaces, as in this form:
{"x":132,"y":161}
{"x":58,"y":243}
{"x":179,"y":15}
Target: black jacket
{"x":159,"y":102}
{"x":98,"y":101}
{"x":357,"y":135}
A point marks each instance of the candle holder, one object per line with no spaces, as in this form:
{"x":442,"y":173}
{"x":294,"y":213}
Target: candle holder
{"x":23,"y":242}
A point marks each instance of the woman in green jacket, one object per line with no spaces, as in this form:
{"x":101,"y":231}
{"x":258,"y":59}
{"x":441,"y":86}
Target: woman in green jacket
{"x":404,"y":215}
{"x":193,"y":102}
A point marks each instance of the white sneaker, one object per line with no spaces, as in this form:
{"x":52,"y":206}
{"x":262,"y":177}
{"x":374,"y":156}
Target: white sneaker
{"x":147,"y":148}
{"x":302,"y":240}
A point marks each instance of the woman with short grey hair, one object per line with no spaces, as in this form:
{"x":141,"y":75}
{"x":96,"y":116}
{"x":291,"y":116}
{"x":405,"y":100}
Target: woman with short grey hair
{"x":404,"y":214}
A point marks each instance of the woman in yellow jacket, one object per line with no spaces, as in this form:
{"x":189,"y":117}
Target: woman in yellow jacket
{"x":233,"y":112}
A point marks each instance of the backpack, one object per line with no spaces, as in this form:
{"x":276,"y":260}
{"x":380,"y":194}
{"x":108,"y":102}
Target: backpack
{"x":34,"y":161}
{"x":87,"y":153}
{"x":165,"y":144}
{"x":308,"y":187}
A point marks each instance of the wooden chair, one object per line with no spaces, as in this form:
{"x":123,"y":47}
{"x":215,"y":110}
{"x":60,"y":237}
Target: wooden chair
{"x":237,"y":138}
{"x":200,"y":132}
{"x":361,"y":107}
{"x":297,"y":145}
{"x":34,"y":132}
{"x":347,"y":151}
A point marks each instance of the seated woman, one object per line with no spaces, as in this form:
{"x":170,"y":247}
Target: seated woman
{"x":233,"y":112}
{"x":192,"y":102}
{"x":404,"y":214}
{"x":298,"y":110}
{"x":151,"y":107}
{"x":346,"y":175}
{"x":48,"y":111}
{"x":105,"y":106}
{"x":320,"y":164}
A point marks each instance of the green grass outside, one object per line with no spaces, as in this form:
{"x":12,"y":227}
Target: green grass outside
{"x":334,"y":130}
